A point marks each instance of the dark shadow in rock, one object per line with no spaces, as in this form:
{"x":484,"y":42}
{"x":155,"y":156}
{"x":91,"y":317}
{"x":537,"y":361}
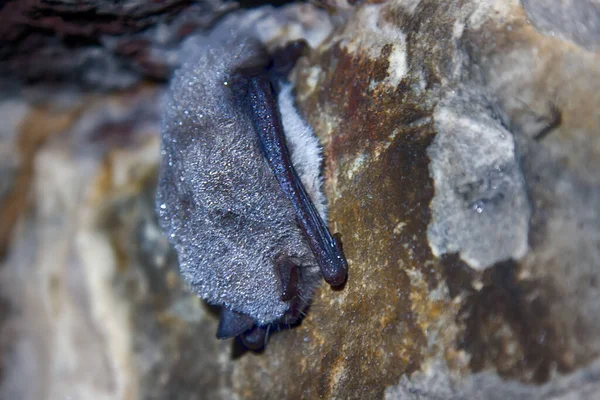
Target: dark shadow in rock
{"x":553,"y":123}
{"x":238,"y":350}
{"x":506,"y":313}
{"x":211,"y":309}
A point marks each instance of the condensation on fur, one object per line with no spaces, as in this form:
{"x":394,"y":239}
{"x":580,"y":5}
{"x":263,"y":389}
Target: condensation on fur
{"x":218,"y":200}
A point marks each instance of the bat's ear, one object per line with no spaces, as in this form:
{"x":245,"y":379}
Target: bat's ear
{"x":233,"y":323}
{"x":284,"y":58}
{"x":288,"y":276}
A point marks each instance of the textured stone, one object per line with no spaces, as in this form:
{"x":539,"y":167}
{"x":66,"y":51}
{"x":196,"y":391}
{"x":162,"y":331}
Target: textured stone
{"x":100,"y":45}
{"x":480,"y":208}
{"x":578,"y":21}
{"x":532,"y":312}
{"x":435,"y":382}
{"x":416,"y":103}
{"x":96,"y":43}
{"x":67,"y":334}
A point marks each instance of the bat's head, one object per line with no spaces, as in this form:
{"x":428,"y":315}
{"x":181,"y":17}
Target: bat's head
{"x":293,"y":284}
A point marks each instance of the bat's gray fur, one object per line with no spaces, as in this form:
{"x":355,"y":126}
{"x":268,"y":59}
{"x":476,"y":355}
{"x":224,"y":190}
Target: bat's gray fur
{"x":218,"y":199}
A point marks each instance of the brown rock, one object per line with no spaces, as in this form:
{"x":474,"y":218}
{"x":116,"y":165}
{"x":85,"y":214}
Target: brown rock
{"x":462,"y":157}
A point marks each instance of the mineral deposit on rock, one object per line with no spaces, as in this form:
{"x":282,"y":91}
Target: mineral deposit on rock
{"x":462,"y":157}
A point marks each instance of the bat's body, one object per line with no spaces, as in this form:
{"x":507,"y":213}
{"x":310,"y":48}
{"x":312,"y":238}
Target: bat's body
{"x":240,"y":199}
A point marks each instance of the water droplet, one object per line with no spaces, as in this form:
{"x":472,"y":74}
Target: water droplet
{"x":478,"y":206}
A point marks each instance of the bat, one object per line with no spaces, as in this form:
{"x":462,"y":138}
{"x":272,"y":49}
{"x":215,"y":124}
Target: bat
{"x":239,"y":192}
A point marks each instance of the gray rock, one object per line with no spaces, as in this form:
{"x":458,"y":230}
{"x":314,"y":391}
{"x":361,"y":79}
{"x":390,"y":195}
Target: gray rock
{"x":93,"y":306}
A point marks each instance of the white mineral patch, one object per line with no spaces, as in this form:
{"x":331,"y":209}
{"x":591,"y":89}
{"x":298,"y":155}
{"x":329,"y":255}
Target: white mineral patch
{"x":276,"y":27}
{"x":480,"y":208}
{"x":373,"y":35}
{"x":356,"y":165}
{"x":486,"y":10}
{"x":398,"y":67}
{"x":435,"y":381}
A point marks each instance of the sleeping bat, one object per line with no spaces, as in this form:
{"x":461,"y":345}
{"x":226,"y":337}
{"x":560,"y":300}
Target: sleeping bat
{"x":239,"y":193}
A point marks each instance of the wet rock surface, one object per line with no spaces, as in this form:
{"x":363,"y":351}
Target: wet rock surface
{"x":462,"y":150}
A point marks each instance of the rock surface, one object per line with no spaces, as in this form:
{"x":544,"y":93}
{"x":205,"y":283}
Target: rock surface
{"x":97,"y":43}
{"x":462,"y":151}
